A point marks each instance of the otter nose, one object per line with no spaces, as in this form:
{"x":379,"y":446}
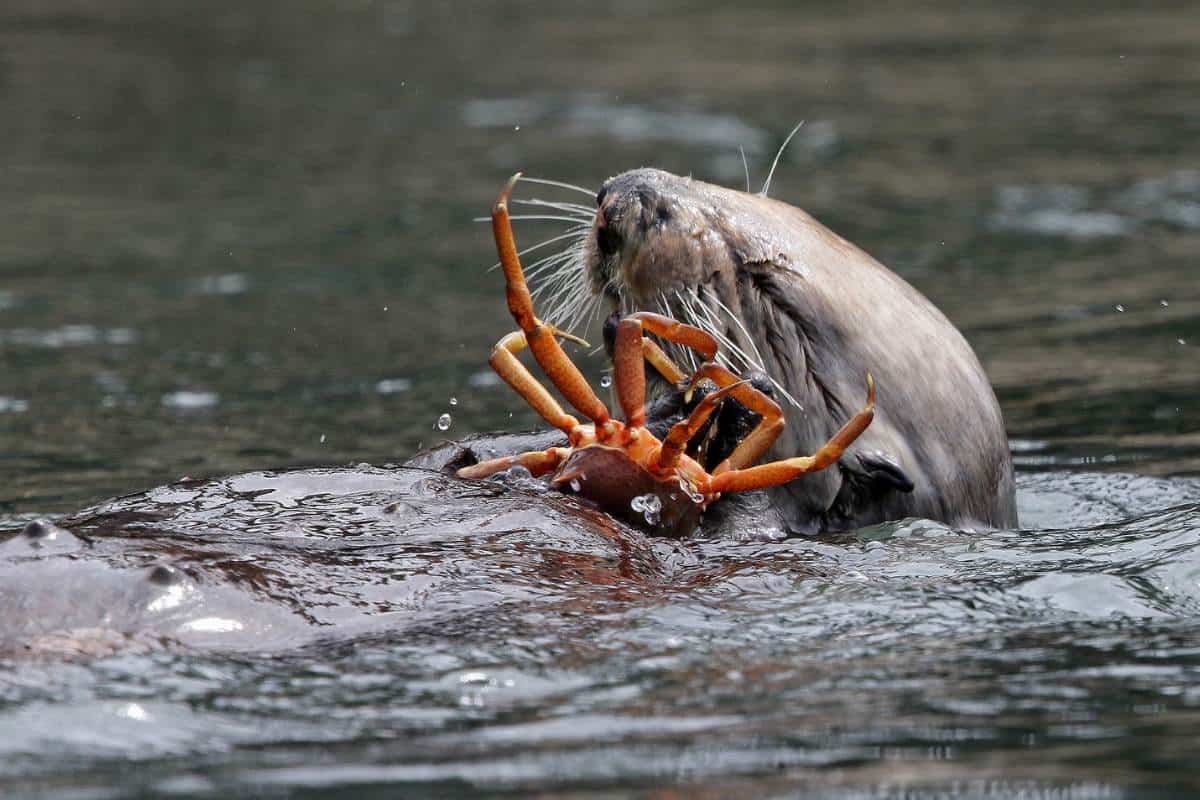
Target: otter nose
{"x":642,"y":205}
{"x":627,"y":209}
{"x":608,"y":237}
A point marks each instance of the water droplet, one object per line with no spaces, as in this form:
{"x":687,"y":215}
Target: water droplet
{"x":1163,"y":303}
{"x":1120,"y":308}
{"x":322,"y":438}
{"x":649,"y":506}
{"x":385,"y":308}
{"x":443,"y":422}
{"x":576,"y":485}
{"x":653,"y":504}
{"x":606,"y":381}
{"x":516,"y":127}
{"x":453,"y":401}
{"x":689,"y":492}
{"x":1181,"y":341}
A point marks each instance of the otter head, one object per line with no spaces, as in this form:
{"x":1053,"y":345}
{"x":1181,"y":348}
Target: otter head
{"x":654,"y":235}
{"x":786,"y":297}
{"x":686,"y":249}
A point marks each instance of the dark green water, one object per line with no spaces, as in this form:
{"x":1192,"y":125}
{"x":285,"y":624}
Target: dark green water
{"x":239,"y":237}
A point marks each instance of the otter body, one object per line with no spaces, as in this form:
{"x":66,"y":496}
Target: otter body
{"x":818,"y":314}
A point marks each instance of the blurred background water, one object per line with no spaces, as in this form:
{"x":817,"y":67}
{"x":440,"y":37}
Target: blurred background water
{"x":239,"y":236}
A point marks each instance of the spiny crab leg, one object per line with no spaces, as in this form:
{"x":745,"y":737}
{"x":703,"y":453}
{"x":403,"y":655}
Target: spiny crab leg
{"x":538,"y":462}
{"x":779,"y":472}
{"x":632,"y":349}
{"x":506,"y":364}
{"x":540,"y":336}
{"x":752,"y":448}
{"x":629,"y":373}
{"x":676,"y":331}
{"x":661,"y":362}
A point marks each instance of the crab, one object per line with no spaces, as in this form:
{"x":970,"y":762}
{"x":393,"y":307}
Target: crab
{"x":619,"y":464}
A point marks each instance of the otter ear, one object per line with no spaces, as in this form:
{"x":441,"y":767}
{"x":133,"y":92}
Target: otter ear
{"x":881,"y":471}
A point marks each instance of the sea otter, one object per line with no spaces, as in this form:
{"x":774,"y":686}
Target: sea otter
{"x":790,"y":298}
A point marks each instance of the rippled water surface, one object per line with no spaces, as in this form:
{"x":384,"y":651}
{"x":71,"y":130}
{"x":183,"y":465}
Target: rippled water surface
{"x":240,"y":239}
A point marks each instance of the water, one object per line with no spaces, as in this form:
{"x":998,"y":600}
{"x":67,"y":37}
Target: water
{"x":244,"y":242}
{"x":359,"y":628}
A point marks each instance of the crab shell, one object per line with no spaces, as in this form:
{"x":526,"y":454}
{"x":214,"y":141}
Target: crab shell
{"x":611,"y":479}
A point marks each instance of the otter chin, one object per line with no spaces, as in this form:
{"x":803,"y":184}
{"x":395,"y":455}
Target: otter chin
{"x":788,"y":297}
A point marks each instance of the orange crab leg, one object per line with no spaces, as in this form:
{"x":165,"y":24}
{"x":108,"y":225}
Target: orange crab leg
{"x":683,"y":431}
{"x":506,"y":364}
{"x":779,"y":472}
{"x":752,"y":448}
{"x":678,"y":332}
{"x":538,"y":462}
{"x":629,"y":372}
{"x":540,"y":336}
{"x":656,"y":358}
{"x":632,"y":349}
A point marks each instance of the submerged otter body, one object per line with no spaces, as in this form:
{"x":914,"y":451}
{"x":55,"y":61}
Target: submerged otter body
{"x":818,"y":314}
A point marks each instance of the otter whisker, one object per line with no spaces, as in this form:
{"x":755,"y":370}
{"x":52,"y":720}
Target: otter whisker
{"x":552,"y":268}
{"x":563,"y":281}
{"x":566,"y":291}
{"x":585,"y":316}
{"x":758,"y":359}
{"x":592,"y":309}
{"x":563,"y":303}
{"x":550,"y":263}
{"x":732,"y":351}
{"x":755,"y":362}
{"x":537,"y":201}
{"x":767,"y":183}
{"x":556,"y":281}
{"x":570,"y":234}
{"x":731,"y":354}
{"x":542,"y":217}
{"x":557,"y":256}
{"x":679,"y":353}
{"x":581,"y":211}
{"x":560,"y":184}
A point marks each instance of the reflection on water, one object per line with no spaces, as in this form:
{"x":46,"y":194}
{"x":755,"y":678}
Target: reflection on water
{"x":239,"y":238}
